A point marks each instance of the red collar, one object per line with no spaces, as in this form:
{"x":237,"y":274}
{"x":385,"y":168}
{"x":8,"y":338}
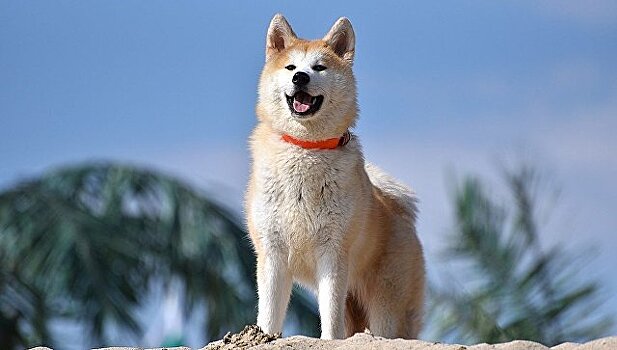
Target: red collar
{"x":323,"y":144}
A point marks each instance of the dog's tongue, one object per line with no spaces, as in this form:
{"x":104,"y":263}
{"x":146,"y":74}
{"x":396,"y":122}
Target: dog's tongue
{"x":302,"y":102}
{"x":300,"y":107}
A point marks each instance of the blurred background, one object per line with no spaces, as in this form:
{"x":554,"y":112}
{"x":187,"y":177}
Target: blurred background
{"x":123,"y":152}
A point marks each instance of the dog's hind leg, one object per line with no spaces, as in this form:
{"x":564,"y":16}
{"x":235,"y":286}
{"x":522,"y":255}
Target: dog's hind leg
{"x":355,"y":316}
{"x":383,"y":322}
{"x":394,"y":315}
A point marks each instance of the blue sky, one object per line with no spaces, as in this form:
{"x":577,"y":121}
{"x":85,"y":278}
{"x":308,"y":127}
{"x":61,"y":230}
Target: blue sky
{"x":444,"y":87}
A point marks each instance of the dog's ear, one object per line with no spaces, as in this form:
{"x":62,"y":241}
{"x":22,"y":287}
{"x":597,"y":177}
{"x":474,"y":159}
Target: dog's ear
{"x":341,"y":39}
{"x":279,"y":35}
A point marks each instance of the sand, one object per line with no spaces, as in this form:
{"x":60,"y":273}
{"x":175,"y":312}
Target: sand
{"x":253,"y":338}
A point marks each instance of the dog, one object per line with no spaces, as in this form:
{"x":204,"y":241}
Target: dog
{"x":317,"y":214}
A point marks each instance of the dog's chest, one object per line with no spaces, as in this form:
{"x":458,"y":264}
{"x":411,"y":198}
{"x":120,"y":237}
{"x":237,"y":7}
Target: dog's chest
{"x":304,"y":198}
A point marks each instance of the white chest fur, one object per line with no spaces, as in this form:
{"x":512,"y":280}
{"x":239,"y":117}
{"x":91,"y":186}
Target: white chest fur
{"x":303,"y":200}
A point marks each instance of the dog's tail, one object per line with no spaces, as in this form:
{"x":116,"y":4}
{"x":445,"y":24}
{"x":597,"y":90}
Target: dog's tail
{"x":394,"y":190}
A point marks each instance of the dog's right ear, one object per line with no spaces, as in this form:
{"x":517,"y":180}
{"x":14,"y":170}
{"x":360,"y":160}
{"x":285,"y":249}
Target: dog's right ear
{"x":280,"y":35}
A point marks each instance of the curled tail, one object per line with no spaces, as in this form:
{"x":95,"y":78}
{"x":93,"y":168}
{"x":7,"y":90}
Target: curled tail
{"x":393,"y":189}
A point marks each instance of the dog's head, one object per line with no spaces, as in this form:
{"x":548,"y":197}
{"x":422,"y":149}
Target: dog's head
{"x":307,"y":88}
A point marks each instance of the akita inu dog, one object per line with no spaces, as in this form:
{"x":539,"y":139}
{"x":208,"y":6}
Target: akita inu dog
{"x":317,"y":214}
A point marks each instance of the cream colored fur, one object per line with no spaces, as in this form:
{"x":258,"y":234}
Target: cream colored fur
{"x":324,"y":218}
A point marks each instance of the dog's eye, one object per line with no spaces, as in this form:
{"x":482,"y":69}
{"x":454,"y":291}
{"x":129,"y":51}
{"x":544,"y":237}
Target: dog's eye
{"x":319,"y":67}
{"x":290,"y":67}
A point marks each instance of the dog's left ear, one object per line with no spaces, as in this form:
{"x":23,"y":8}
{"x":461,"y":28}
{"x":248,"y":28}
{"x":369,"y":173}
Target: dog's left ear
{"x":341,"y":39}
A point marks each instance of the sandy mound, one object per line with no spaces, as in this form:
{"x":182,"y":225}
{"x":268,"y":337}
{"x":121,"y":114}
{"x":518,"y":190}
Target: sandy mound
{"x":252,"y":337}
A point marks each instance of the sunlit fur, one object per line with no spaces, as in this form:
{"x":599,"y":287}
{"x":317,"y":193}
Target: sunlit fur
{"x":324,"y":218}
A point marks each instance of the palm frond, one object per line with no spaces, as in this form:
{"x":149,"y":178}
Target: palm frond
{"x":515,"y":286}
{"x":87,"y":241}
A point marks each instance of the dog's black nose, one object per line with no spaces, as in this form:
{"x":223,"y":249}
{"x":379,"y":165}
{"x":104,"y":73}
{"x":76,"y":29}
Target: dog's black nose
{"x":300,"y":79}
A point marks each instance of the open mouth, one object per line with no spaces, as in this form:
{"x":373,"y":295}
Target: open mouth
{"x":302,"y":103}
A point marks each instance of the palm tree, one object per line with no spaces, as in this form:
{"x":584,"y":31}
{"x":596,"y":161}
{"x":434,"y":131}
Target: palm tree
{"x":86,"y":242}
{"x":514,"y":289}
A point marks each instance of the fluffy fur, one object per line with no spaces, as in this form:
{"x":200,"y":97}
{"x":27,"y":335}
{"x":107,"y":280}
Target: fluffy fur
{"x":324,"y":218}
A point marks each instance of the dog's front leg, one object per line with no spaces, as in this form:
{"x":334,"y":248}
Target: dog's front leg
{"x":331,"y":293}
{"x":274,"y":283}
